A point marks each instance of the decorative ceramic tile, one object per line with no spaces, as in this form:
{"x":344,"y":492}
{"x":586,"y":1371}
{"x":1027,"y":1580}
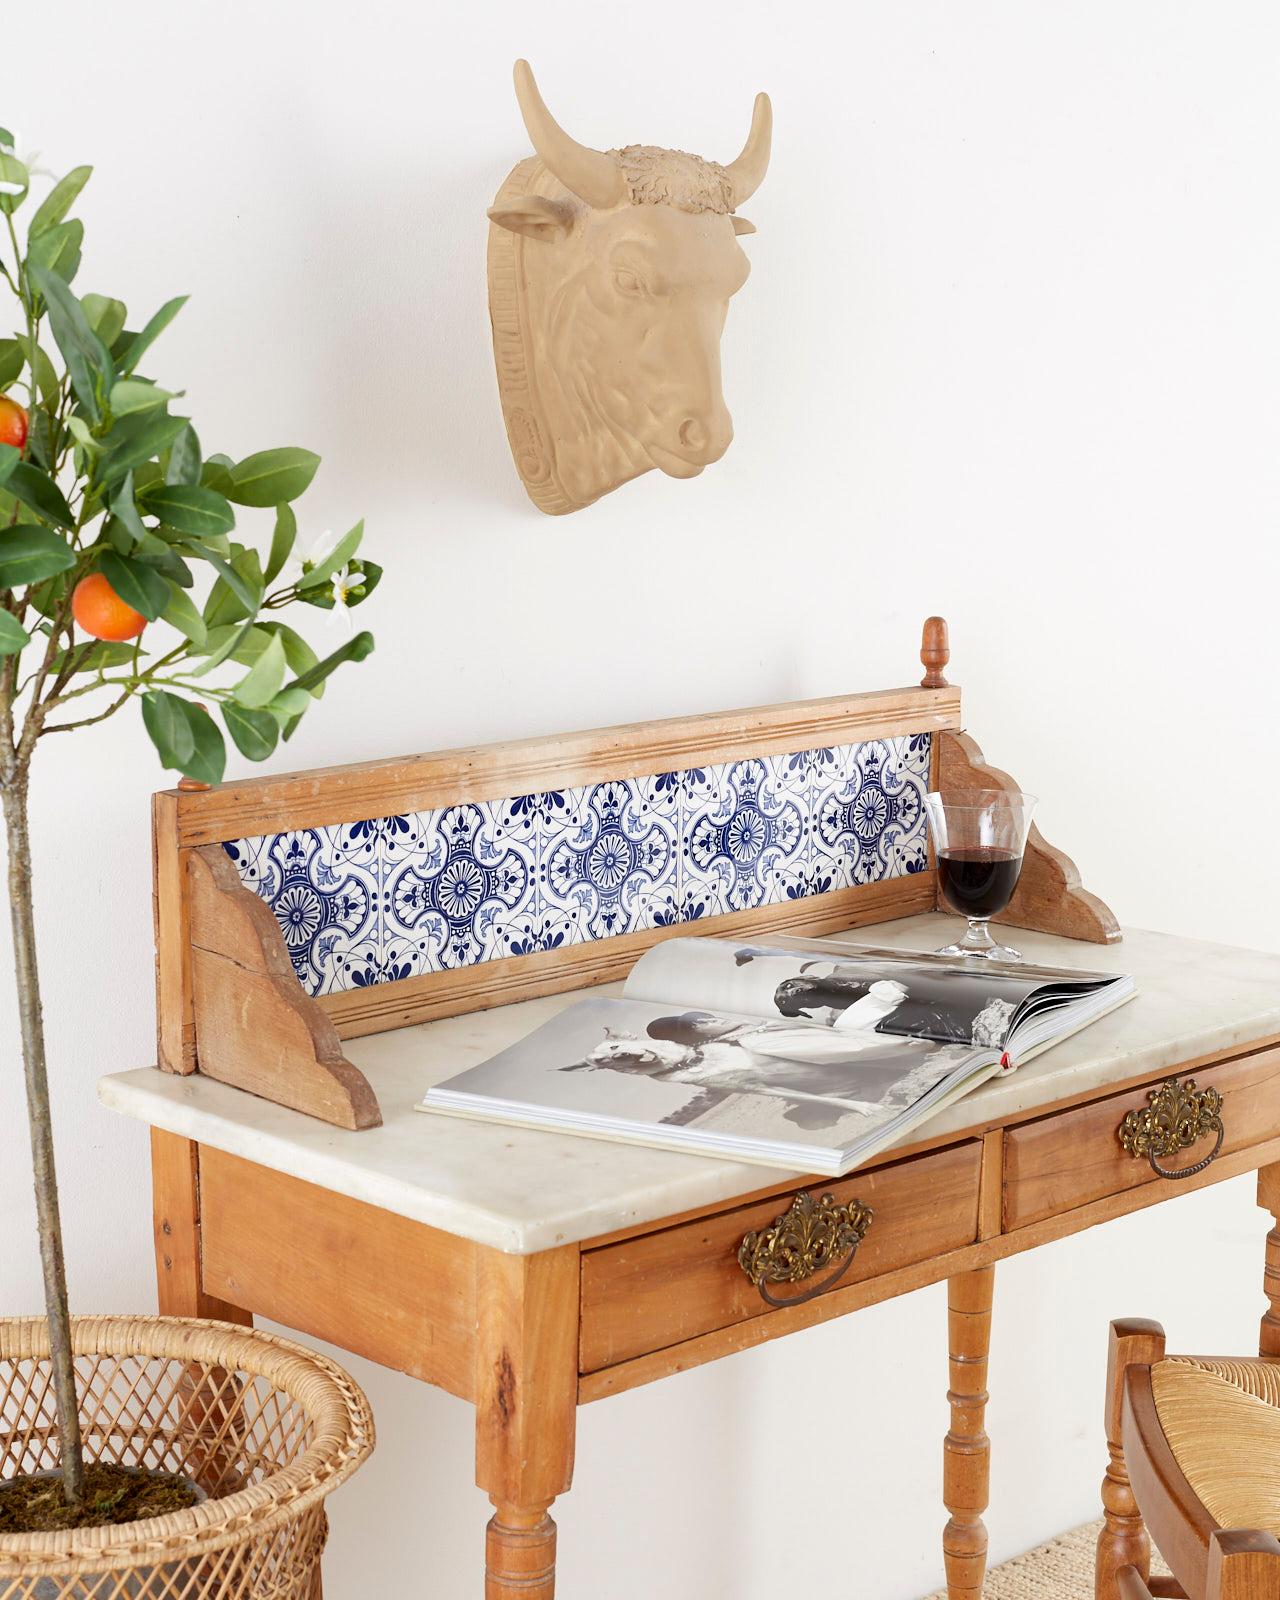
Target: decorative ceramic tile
{"x":370,"y":902}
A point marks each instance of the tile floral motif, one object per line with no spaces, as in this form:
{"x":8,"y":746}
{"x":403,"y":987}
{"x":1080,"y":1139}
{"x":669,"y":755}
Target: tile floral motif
{"x":371,"y":902}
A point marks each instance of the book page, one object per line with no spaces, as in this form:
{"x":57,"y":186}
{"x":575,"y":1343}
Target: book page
{"x":632,"y":1063}
{"x":843,"y":987}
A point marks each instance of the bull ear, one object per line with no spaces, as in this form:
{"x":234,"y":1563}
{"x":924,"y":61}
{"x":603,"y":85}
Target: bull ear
{"x":533,"y":216}
{"x":741,"y":225}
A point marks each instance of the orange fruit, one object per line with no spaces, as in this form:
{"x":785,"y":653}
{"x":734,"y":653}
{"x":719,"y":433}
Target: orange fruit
{"x":100,"y":611}
{"x":13,"y":423}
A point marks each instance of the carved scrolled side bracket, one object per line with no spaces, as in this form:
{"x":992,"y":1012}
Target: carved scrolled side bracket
{"x":1050,"y":897}
{"x":255,"y":1028}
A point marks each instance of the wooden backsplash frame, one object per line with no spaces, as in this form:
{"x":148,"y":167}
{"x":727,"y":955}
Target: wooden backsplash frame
{"x":191,"y":927}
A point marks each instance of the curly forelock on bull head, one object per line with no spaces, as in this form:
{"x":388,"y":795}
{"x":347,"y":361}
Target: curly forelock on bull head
{"x":657,"y":177}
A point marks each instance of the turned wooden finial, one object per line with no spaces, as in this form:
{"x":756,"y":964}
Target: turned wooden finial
{"x":935,"y":652}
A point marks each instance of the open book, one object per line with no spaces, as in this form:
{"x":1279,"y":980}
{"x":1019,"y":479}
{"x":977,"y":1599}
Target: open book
{"x":807,"y":1056}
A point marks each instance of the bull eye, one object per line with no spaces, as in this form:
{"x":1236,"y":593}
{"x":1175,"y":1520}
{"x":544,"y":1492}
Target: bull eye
{"x":627,"y":282}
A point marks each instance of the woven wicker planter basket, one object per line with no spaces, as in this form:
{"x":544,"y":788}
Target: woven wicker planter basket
{"x":264,"y":1427}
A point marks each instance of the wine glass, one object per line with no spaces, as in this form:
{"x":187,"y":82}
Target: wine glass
{"x":979,"y":836}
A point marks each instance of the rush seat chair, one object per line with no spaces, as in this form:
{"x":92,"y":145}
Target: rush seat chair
{"x":1195,"y":1466}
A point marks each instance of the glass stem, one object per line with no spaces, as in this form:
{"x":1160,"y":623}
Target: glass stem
{"x":978,"y":936}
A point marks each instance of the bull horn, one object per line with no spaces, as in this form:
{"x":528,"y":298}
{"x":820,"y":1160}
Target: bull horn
{"x":746,"y":174}
{"x":590,"y":174}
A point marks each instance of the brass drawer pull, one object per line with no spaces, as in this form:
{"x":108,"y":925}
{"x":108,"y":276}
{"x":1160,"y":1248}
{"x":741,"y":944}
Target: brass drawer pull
{"x":810,"y":1236}
{"x":1178,"y":1116}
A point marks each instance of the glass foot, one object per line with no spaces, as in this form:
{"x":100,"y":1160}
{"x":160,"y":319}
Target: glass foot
{"x":991,"y":952}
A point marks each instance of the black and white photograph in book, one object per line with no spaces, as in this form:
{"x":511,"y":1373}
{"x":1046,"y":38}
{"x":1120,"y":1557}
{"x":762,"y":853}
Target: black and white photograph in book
{"x":807,"y":1056}
{"x":929,"y":1002}
{"x":821,"y":1076}
{"x":858,"y":988}
{"x":721,"y":1083}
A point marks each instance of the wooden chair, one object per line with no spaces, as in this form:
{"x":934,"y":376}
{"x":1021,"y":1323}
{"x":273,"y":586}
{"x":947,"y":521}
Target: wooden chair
{"x":1195,"y":1459}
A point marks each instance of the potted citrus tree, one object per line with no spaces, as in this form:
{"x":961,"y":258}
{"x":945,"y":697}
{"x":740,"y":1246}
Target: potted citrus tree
{"x":136,"y":567}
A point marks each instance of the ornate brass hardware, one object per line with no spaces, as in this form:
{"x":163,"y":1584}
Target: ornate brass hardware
{"x":1179,"y":1114}
{"x":806,"y":1239}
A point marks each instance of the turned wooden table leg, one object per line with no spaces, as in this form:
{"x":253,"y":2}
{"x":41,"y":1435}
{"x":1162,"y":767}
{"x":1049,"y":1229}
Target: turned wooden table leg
{"x":526,"y":1391}
{"x":1269,"y":1200}
{"x":1123,"y":1541}
{"x":966,"y":1460}
{"x":520,"y":1554}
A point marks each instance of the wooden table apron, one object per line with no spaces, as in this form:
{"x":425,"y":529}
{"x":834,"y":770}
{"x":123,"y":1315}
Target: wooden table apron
{"x":529,"y":1338}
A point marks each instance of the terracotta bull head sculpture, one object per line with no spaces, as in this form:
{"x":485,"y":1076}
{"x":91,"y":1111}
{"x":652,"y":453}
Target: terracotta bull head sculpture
{"x":610,"y":275}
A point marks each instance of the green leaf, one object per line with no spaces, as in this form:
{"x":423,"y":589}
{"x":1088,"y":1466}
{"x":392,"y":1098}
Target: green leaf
{"x":288,"y":704}
{"x":265,"y":678}
{"x":181,"y":614}
{"x":210,"y":759}
{"x":79,"y":430}
{"x":47,"y":385}
{"x":272,"y":477}
{"x":337,"y":558}
{"x":123,"y":507}
{"x":9,"y":459}
{"x":282,"y":540}
{"x":83,"y":351}
{"x":46,"y":597}
{"x":143,"y":341}
{"x":248,"y":641}
{"x":12,"y":362}
{"x":299,"y":654}
{"x":240,"y":592}
{"x":216,"y":473}
{"x":165,"y":717}
{"x":96,"y":655}
{"x":185,"y":736}
{"x":118,"y":536}
{"x":130,"y":395}
{"x":255,"y":732}
{"x":147,"y":474}
{"x":13,"y":636}
{"x":104,"y":315}
{"x":57,"y":250}
{"x":229,"y":642}
{"x":38,"y":491}
{"x":153,"y":552}
{"x":12,"y":171}
{"x":30,"y":552}
{"x":59,"y":201}
{"x":137,"y":584}
{"x":190,"y":509}
{"x":354,"y":650}
{"x":43,"y":439}
{"x":184,"y":458}
{"x":134,"y":440}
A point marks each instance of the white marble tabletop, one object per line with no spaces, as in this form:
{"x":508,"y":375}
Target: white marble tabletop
{"x":522,"y":1191}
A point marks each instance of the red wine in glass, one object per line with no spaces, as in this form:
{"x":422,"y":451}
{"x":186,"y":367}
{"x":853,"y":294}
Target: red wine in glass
{"x":978,"y":882}
{"x":979,"y":836}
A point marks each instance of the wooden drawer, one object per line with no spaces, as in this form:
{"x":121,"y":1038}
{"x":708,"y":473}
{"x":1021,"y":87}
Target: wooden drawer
{"x":665,"y":1287}
{"x":1068,"y":1159}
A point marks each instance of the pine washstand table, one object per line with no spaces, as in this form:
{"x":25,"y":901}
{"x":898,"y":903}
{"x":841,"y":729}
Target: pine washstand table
{"x":532,"y":1273}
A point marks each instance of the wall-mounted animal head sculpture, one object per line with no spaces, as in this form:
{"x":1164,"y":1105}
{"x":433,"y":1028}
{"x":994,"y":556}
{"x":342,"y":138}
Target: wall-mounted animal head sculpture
{"x":610,"y":275}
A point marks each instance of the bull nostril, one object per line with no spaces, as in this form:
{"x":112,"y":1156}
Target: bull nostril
{"x":693,"y":435}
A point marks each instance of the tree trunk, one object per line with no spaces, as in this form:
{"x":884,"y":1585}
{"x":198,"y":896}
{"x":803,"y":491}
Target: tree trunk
{"x":31,"y":1019}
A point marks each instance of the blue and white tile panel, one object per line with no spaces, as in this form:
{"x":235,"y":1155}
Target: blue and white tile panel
{"x":372,"y":902}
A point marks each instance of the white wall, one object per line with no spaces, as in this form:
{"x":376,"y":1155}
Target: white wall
{"x":1009,"y":352}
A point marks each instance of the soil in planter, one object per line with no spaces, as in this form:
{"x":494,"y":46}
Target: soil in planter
{"x":111,"y":1495}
